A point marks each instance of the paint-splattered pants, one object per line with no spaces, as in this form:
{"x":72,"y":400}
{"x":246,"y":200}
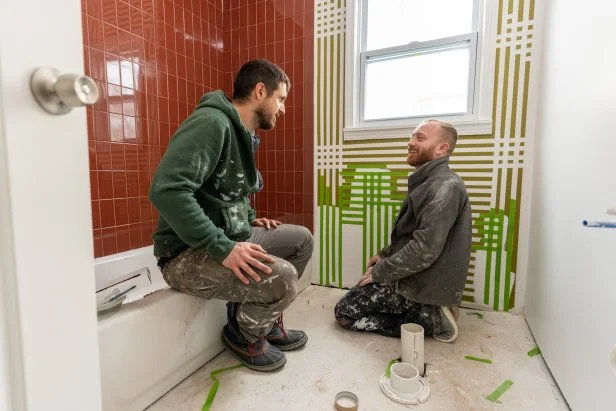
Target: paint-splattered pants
{"x":194,"y":272}
{"x":379,"y":309}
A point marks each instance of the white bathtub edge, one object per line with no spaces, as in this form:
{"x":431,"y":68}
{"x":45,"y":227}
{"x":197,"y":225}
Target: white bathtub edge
{"x":151,"y":345}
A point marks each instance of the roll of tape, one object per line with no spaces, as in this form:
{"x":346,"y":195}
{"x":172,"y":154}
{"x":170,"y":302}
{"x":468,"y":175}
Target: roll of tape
{"x":346,"y":401}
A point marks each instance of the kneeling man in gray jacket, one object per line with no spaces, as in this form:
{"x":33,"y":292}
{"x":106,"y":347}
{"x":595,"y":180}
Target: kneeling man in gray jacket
{"x":419,"y":278}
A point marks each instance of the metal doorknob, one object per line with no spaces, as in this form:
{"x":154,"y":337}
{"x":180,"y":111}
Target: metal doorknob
{"x":59,"y":93}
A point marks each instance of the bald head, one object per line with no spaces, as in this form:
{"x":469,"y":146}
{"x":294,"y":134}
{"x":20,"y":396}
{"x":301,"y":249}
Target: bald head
{"x":448,"y":133}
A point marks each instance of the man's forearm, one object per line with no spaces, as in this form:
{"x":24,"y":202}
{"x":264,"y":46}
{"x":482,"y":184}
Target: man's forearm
{"x":411,"y":259}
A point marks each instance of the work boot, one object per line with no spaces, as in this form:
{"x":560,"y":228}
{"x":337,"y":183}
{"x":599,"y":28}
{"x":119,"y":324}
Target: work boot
{"x":455,"y":310}
{"x":258,"y":355}
{"x":231,"y":311}
{"x":448,"y":331}
{"x":286,"y":340}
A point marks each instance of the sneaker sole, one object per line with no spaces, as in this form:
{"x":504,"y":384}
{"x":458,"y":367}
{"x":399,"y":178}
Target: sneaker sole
{"x":291,"y":347}
{"x":262,"y":368}
{"x":452,"y":320}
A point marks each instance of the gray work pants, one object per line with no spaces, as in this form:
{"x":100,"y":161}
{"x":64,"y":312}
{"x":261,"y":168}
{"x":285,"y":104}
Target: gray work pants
{"x":194,"y":272}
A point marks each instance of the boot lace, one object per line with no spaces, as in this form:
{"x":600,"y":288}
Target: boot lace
{"x":254,"y":346}
{"x":280,"y":324}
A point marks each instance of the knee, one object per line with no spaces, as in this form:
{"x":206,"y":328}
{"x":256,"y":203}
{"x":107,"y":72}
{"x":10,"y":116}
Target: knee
{"x":307,"y":236}
{"x":340,"y":312}
{"x":304,"y":238}
{"x":283,"y":279}
{"x":337,"y":311}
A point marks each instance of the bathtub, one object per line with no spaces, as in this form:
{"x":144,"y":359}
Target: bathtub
{"x":158,"y":337}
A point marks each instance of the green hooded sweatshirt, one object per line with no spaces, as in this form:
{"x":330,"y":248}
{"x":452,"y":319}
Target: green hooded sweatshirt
{"x":202,"y":184}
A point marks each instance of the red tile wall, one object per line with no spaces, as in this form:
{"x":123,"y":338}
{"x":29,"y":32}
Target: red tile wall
{"x":153,"y":60}
{"x":282,"y":32}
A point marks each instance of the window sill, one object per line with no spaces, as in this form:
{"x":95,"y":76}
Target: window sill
{"x":373,"y":132}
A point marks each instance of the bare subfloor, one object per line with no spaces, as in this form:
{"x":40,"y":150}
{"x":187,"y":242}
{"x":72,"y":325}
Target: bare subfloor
{"x":336,"y":359}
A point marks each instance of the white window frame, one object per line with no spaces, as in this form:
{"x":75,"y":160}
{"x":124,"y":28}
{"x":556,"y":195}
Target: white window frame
{"x":479,"y":118}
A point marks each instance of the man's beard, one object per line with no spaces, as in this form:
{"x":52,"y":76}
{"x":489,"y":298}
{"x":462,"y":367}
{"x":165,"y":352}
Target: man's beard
{"x":422,"y":157}
{"x":263,"y":122}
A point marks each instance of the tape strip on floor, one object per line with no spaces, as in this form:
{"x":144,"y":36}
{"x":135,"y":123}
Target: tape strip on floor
{"x":212,"y":394}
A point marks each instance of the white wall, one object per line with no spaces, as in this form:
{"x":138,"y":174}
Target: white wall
{"x":572,"y":276}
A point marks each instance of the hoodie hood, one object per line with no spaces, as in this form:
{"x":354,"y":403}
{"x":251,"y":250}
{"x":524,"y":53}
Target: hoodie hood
{"x":218,"y":100}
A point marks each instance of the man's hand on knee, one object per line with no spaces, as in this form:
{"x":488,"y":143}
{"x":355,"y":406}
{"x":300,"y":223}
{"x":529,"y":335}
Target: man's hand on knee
{"x":265,"y":222}
{"x":373,"y":260}
{"x":366,"y":278}
{"x":245,"y":257}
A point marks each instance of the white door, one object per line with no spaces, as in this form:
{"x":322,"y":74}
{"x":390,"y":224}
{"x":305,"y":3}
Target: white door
{"x":48,"y":329}
{"x":571,"y":289}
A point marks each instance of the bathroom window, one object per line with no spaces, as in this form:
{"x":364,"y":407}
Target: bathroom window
{"x":411,"y":60}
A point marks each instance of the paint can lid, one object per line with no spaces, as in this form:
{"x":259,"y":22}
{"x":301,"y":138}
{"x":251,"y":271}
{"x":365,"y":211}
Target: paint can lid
{"x":346,"y":401}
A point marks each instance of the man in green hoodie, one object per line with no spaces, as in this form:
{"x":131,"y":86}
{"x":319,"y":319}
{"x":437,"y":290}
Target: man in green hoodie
{"x":209,"y":242}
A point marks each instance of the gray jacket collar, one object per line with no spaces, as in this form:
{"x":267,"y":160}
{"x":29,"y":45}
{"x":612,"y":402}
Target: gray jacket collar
{"x":423,"y":172}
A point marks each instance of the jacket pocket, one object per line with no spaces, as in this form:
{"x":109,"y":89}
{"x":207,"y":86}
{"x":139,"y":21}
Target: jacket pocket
{"x":235,"y":214}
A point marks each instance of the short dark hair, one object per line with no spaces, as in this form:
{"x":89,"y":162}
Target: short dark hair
{"x":258,"y":71}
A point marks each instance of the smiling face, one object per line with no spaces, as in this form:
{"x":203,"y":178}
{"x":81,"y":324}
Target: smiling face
{"x":426,"y":144}
{"x":270,"y":107}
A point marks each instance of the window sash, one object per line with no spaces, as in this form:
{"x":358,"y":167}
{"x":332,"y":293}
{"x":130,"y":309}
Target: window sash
{"x":414,"y":48}
{"x":363,"y":27}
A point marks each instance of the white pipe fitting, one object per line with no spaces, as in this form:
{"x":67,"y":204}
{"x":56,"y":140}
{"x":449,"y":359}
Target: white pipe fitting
{"x":405,"y":379}
{"x":412,"y":341}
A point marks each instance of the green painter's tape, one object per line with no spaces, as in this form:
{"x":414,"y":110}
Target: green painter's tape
{"x":388,"y":369}
{"x":499,"y":391}
{"x":210,"y":396}
{"x":480,"y":316}
{"x":534,"y":352}
{"x":484,"y":360}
